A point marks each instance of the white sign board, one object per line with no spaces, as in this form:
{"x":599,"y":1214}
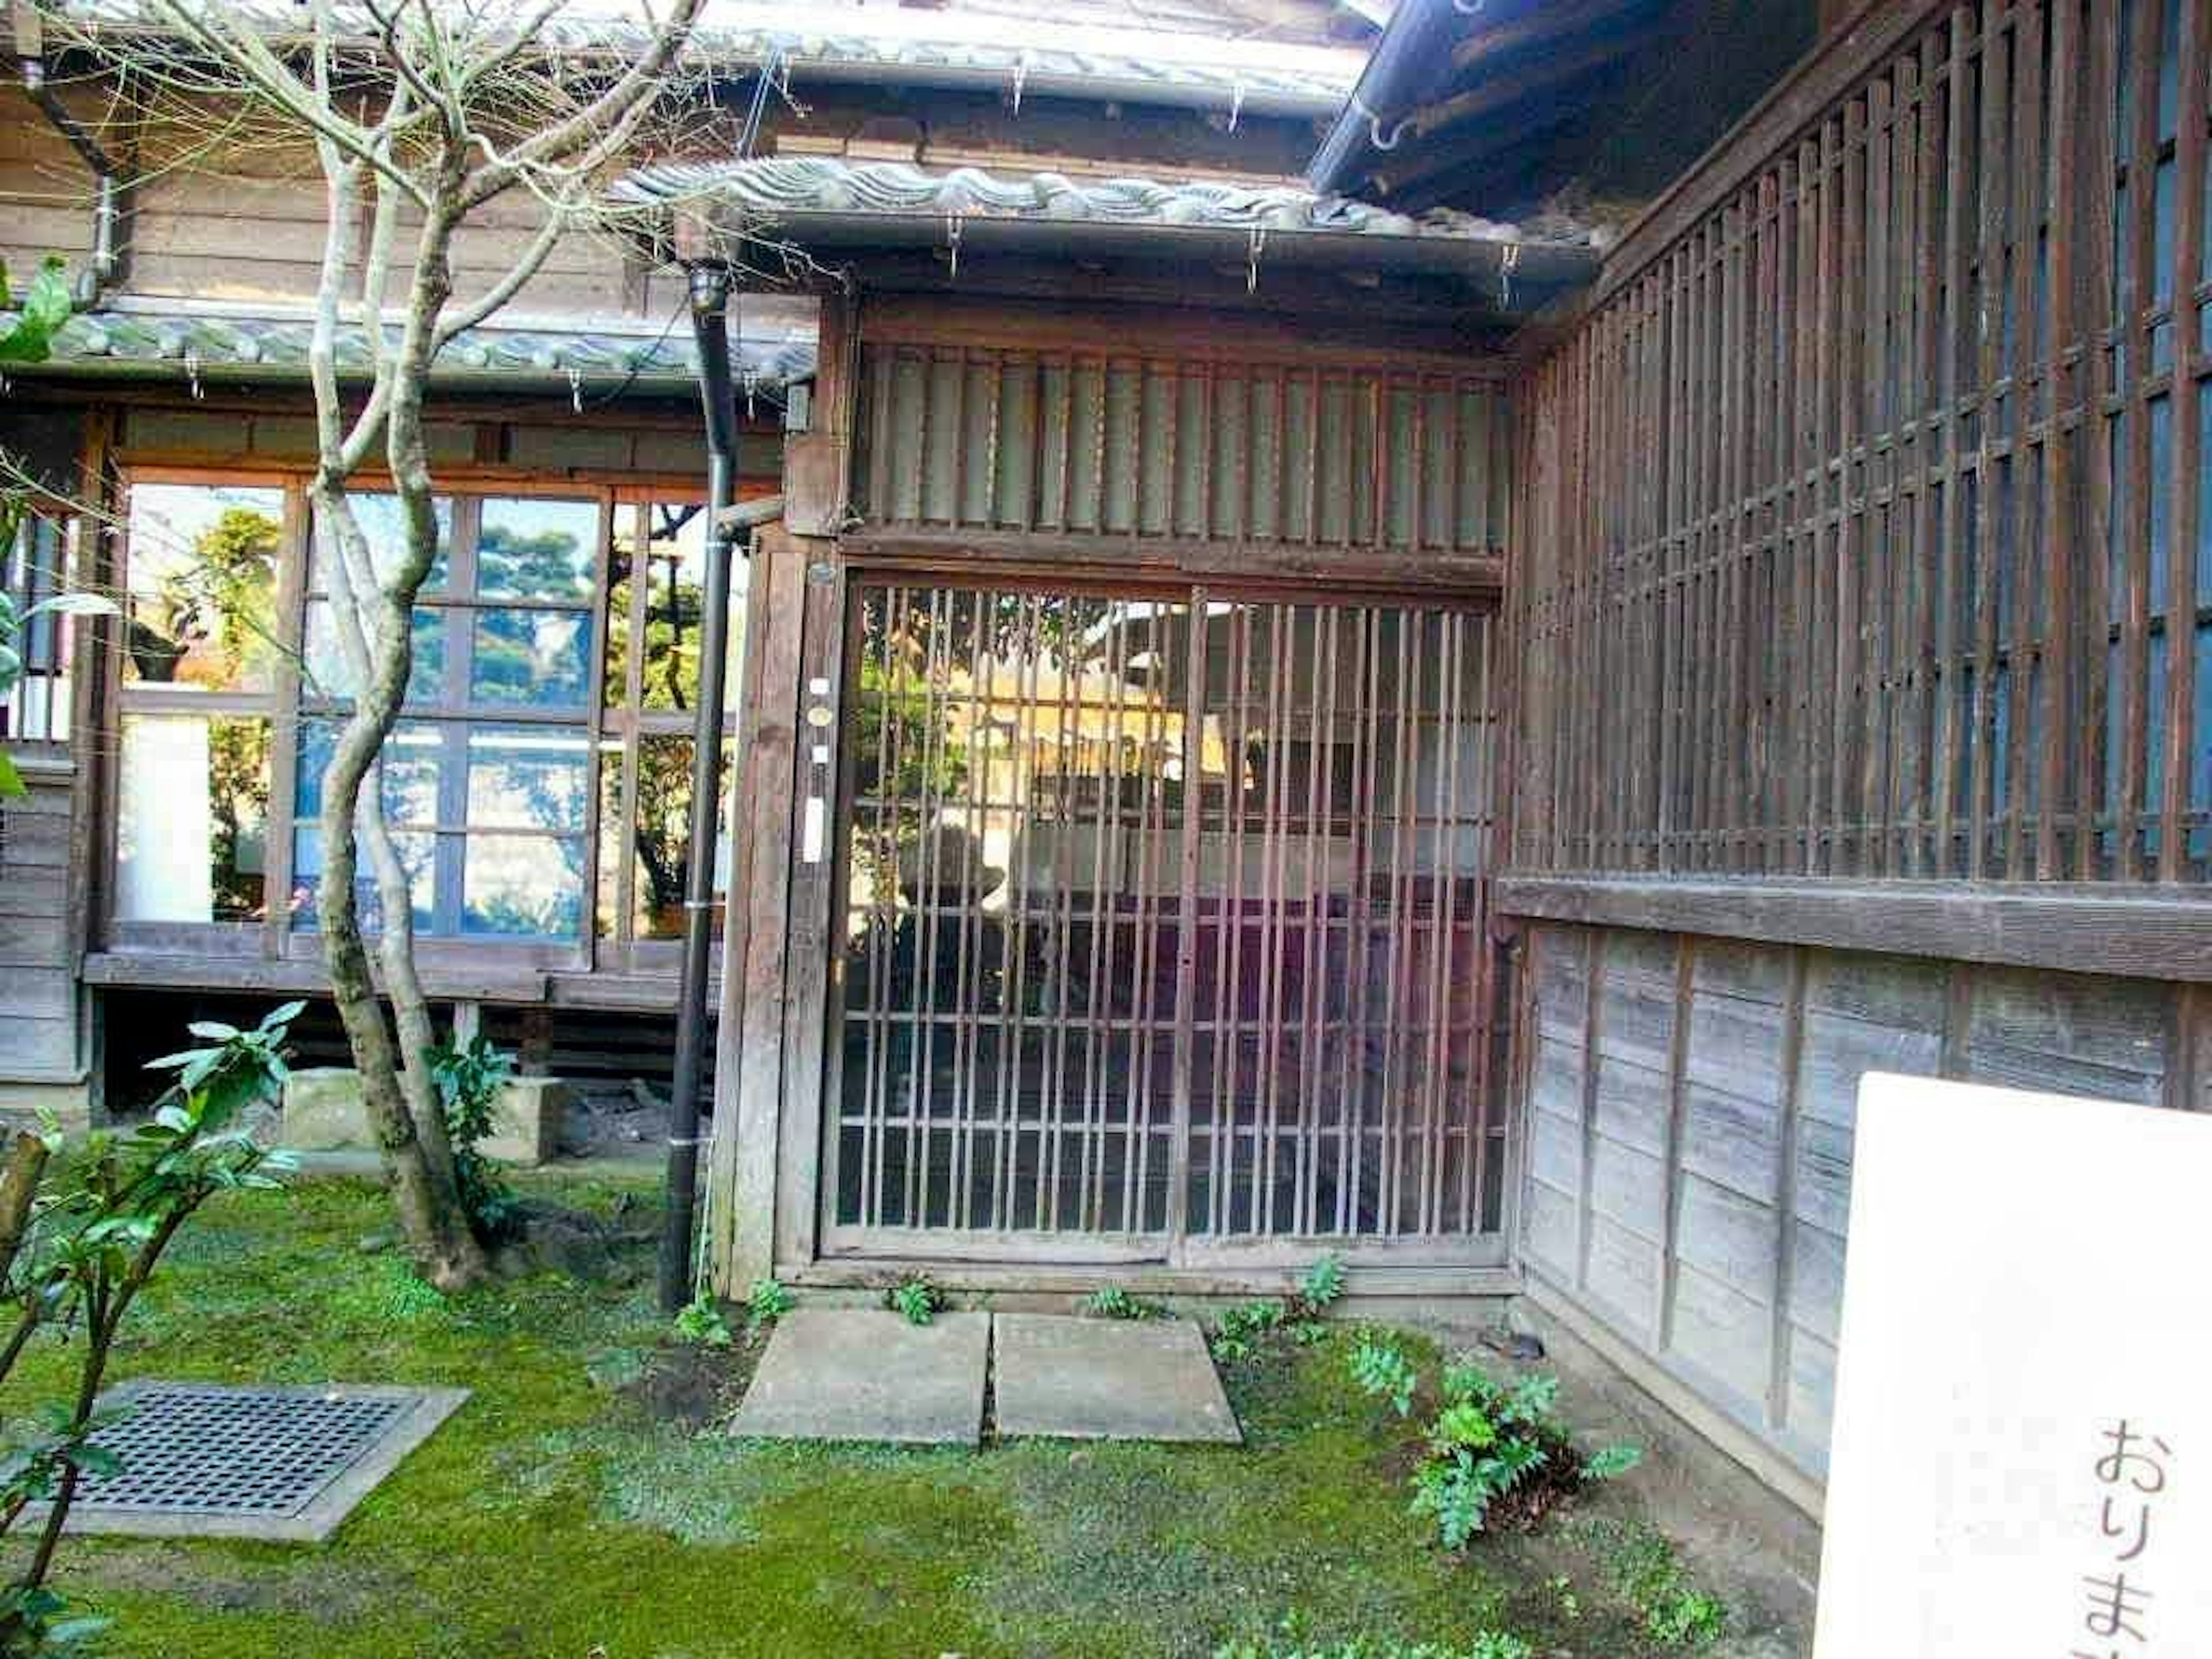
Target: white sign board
{"x":2022,"y":1455}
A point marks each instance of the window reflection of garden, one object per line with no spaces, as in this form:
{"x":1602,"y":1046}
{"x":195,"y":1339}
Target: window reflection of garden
{"x":201,"y":621}
{"x":657,"y":574}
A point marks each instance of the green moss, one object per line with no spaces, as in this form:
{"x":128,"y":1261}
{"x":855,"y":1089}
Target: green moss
{"x":554,"y":1515}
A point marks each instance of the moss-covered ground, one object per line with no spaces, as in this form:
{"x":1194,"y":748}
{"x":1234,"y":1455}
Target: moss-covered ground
{"x":577,"y":1506}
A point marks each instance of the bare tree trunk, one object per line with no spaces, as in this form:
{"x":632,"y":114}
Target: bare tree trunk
{"x":19,"y":1187}
{"x":395,"y":1088}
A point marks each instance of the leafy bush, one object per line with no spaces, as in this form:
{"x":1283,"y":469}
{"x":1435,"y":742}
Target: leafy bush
{"x":767,"y":1302}
{"x":1383,"y":1373}
{"x":77,"y":1247}
{"x":916,"y":1298}
{"x":1489,"y":1441}
{"x":468,"y":1078}
{"x":701,"y":1322}
{"x":1240,"y":1330}
{"x":1112,"y":1301}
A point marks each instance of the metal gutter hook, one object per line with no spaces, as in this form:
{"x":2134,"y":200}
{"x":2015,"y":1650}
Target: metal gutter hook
{"x":1252,"y":259}
{"x":193,"y":374}
{"x":751,"y":382}
{"x":1236,"y":103}
{"x":1375,"y":126}
{"x":1021,"y":75}
{"x":575,"y":389}
{"x":1505,"y":275}
{"x":952,"y":240}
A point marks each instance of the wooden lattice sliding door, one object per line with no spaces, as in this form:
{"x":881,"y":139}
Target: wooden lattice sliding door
{"x":1161,"y":929}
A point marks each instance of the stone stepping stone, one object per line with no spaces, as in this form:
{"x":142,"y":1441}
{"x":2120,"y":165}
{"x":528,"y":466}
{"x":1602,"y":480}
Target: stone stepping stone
{"x":867,"y":1374}
{"x":1107,"y":1379}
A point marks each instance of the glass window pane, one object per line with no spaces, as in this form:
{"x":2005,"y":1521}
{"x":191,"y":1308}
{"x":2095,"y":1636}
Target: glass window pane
{"x":378,"y":513}
{"x":676,"y":585}
{"x":523,"y":777}
{"x":523,"y":887}
{"x":202,"y":586}
{"x":192,"y":819}
{"x":538,"y":659}
{"x":537,"y":549}
{"x":418,"y":854}
{"x":622,"y":562}
{"x":324,"y":667}
{"x":659,"y":837}
{"x":413,"y":760}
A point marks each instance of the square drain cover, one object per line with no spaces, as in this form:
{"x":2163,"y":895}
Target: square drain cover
{"x":200,"y":1460}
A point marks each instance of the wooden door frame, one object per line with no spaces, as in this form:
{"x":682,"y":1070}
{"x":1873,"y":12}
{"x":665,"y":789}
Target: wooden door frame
{"x":766,"y":1193}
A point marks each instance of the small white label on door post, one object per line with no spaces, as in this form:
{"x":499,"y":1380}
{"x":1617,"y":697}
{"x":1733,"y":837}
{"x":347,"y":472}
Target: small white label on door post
{"x":2022,"y":1454}
{"x":810,"y":835}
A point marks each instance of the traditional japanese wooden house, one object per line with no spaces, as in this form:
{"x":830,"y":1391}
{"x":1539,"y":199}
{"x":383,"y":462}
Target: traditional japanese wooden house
{"x":1444,"y":710}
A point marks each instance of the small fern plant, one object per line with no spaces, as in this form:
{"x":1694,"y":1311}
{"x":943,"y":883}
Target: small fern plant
{"x":1383,"y":1373}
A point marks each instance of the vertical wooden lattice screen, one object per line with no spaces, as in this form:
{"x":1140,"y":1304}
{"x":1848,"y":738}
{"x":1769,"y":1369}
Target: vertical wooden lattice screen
{"x":1162,"y":924}
{"x":1866,"y":520}
{"x":1074,"y":443}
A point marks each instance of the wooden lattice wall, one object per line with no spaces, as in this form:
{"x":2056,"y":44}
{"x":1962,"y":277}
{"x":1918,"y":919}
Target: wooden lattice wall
{"x":1863,"y":528}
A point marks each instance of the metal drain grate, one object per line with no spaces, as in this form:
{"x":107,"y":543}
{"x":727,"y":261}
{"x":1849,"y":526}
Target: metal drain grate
{"x":286,"y":1463}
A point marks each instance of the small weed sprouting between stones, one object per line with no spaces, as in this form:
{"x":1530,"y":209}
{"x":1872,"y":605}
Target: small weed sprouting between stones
{"x":916,"y":1298}
{"x":1112,"y":1301}
{"x":1489,"y":1443}
{"x":703,"y":1324}
{"x":1289,"y":1643}
{"x":1648,"y":1572}
{"x":768,"y":1300}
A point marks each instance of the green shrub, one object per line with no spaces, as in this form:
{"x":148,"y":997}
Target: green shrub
{"x":468,"y":1078}
{"x":1487,"y":1439}
{"x":915,"y":1298}
{"x":1240,"y":1330}
{"x":702,"y":1323}
{"x":768,"y":1300}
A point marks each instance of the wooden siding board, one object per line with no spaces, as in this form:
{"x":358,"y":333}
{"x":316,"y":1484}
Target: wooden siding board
{"x":1886,"y":600}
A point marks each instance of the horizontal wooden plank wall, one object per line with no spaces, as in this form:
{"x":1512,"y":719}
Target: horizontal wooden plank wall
{"x":1688,"y":1105}
{"x":41,"y":1026}
{"x":1155,"y":445}
{"x":1863,"y":522}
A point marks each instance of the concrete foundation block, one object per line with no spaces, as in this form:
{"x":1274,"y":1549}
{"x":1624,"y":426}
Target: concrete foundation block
{"x":525,"y":1121}
{"x":323,"y":1112}
{"x":22,"y":1104}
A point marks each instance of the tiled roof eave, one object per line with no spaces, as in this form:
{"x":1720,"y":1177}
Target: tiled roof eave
{"x":147,"y":343}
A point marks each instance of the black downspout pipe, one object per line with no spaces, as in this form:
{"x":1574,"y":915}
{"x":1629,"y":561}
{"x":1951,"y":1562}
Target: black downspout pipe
{"x":111,"y":253}
{"x":1414,"y":51}
{"x":710,"y":298}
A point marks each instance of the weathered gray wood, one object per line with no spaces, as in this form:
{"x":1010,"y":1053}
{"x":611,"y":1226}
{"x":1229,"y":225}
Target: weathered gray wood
{"x":2073,"y":929}
{"x":1724,"y":1334}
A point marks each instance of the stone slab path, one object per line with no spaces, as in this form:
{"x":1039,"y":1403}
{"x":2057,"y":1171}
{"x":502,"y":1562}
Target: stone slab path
{"x":865,"y":1374}
{"x":1107,"y":1379}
